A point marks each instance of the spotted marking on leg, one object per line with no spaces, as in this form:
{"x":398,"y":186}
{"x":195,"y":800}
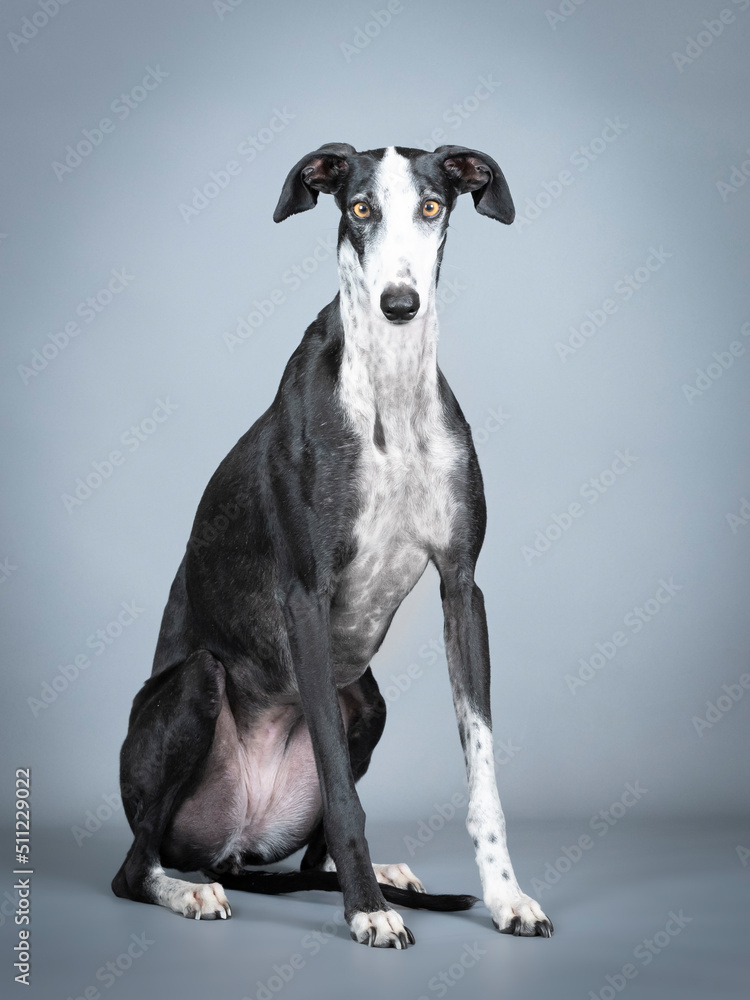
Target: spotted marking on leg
{"x":380,"y":929}
{"x":513,"y":912}
{"x":198,"y":901}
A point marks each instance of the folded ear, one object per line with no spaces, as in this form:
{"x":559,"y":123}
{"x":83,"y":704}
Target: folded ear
{"x":323,"y":170}
{"x":470,"y":170}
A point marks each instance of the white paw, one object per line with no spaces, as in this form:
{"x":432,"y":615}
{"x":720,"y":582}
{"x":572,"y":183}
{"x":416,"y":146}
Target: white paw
{"x":401,"y":876}
{"x":206,"y":901}
{"x":380,"y":929}
{"x":191,"y":899}
{"x":520,"y":915}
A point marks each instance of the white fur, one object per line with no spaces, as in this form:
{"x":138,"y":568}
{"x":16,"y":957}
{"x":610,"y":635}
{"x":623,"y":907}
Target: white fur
{"x":383,"y":927}
{"x":389,"y":376}
{"x":399,"y":875}
{"x":191,"y":899}
{"x":401,"y":245}
{"x":486,"y":825}
{"x":389,"y":382}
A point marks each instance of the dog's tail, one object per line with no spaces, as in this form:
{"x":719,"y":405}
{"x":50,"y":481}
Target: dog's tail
{"x":274,"y":883}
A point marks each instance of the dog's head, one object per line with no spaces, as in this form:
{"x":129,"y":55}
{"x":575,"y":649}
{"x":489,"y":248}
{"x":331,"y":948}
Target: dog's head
{"x":395,"y":204}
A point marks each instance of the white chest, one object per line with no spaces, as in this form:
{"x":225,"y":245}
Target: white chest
{"x":406,"y":516}
{"x":406,"y":496}
{"x":406,"y":480}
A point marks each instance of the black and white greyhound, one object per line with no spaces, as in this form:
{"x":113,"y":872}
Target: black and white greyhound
{"x":261,"y":711}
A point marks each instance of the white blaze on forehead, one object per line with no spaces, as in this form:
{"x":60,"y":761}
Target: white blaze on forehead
{"x":395,"y":187}
{"x":405,"y":250}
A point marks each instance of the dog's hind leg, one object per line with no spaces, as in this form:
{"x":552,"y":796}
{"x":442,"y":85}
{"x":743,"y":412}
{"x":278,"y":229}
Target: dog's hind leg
{"x":170,"y":734}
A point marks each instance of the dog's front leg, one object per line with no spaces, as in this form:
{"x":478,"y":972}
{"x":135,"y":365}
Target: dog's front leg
{"x":467,"y":650}
{"x":371,"y":921}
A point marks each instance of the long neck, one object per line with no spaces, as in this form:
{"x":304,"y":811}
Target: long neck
{"x":389,"y":371}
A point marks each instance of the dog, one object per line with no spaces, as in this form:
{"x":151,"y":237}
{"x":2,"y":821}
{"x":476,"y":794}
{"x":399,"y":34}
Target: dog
{"x":262,"y":712}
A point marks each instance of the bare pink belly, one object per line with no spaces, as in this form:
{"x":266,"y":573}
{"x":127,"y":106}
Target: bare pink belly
{"x":260,"y":792}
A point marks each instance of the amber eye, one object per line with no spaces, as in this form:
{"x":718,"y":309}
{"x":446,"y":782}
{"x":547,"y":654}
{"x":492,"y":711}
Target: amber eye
{"x":430,"y":208}
{"x":361,"y":209}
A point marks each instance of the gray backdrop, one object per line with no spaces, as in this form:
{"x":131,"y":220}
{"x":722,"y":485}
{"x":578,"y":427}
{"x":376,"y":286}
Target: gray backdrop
{"x":599,"y":348}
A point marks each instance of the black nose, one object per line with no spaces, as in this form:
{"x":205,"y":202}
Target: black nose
{"x":399,"y":303}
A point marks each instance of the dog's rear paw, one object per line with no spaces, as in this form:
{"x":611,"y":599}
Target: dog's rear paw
{"x":401,"y":876}
{"x":522,"y":916}
{"x":198,"y":901}
{"x":380,"y":929}
{"x":207,"y":901}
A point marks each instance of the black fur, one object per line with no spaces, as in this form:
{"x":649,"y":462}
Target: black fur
{"x":247,"y":623}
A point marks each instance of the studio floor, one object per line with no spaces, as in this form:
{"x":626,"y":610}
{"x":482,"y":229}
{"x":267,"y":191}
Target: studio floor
{"x":652,"y":911}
